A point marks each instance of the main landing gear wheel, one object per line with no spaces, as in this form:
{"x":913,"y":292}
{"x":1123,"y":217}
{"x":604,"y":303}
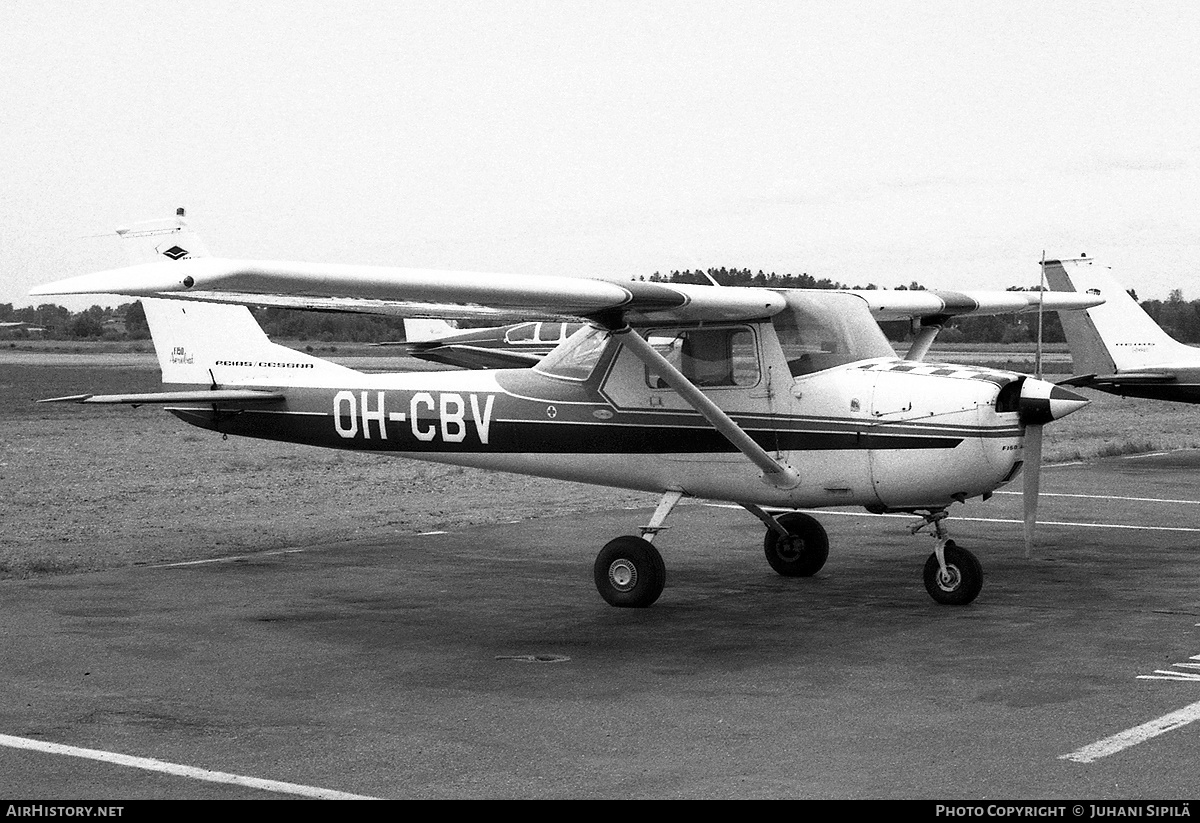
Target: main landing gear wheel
{"x":962,"y":580}
{"x":630,"y":572}
{"x":803,"y":552}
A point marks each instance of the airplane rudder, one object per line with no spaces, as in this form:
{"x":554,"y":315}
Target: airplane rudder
{"x":418,"y":330}
{"x":189,"y":337}
{"x":204,"y":343}
{"x":1057,"y":277}
{"x":1089,"y":350}
{"x":1126,"y":338}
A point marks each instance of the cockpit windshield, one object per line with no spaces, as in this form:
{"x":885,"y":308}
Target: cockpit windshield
{"x":577,"y":356}
{"x":821,"y":330}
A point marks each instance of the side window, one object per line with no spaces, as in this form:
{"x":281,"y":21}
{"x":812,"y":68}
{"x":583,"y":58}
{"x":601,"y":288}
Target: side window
{"x":551,"y":332}
{"x":524,"y":333}
{"x":708,"y":357}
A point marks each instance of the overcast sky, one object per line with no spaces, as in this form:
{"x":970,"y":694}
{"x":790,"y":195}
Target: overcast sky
{"x":869,"y":142}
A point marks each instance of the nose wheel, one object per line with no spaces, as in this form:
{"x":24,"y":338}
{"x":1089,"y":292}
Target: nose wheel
{"x":958,"y":581}
{"x":953,"y":576}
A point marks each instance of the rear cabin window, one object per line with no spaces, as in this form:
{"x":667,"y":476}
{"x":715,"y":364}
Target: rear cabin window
{"x":523,"y":333}
{"x":551,"y":332}
{"x":708,"y":357}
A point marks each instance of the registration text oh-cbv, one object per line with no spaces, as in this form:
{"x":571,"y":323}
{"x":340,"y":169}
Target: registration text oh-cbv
{"x":446,"y":416}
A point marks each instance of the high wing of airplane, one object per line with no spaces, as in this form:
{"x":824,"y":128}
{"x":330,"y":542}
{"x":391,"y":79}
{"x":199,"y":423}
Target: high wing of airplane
{"x":524,"y":344}
{"x":768,"y":398}
{"x":1118,"y":348}
{"x":535,"y":330}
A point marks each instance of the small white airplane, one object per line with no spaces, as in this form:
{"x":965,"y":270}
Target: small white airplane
{"x":768,"y":398}
{"x":1116,"y":347}
{"x":495,"y":347}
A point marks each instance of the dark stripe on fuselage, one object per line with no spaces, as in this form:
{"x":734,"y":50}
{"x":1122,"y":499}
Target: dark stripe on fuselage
{"x":1177,"y":392}
{"x":542,"y":437}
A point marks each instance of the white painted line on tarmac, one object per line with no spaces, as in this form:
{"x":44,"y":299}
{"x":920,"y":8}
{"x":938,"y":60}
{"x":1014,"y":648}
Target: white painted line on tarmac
{"x":1134,"y":736}
{"x":961,"y":519}
{"x":177,"y":769}
{"x":1084,"y":525}
{"x":1167,"y":674}
{"x":1119,"y":457}
{"x":1107,"y":497}
{"x":223,"y":559}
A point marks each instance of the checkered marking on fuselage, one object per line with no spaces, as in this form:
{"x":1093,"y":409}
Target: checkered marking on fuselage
{"x":941,"y":370}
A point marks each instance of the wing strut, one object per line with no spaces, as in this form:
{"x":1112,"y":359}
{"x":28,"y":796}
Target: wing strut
{"x":775,"y":472}
{"x":929,"y":328}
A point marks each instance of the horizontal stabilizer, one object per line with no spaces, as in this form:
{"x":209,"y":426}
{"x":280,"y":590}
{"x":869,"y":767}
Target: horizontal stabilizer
{"x":201,"y":396}
{"x":1123,"y":379}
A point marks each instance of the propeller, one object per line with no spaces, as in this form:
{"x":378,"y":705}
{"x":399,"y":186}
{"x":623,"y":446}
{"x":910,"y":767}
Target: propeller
{"x":1033,"y":480}
{"x":1040,"y":402}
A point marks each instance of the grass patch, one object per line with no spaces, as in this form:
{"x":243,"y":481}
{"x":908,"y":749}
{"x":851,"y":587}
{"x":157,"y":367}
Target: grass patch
{"x":35,"y":566}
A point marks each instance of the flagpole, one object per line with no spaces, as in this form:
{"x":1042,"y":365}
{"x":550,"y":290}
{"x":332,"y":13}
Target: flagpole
{"x":1041,"y":303}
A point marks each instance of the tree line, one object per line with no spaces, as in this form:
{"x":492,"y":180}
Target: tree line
{"x":128,"y":322}
{"x":1178,"y":317}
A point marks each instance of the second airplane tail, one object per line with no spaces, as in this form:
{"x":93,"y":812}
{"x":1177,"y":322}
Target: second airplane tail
{"x":420,"y":330}
{"x":1116,"y":336}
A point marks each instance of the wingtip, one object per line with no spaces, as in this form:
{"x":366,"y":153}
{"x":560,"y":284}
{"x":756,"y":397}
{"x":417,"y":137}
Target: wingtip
{"x":70,"y":398}
{"x":136,"y":281}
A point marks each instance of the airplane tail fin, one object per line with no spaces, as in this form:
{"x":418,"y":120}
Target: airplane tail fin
{"x":154,"y":240}
{"x":215,"y":344}
{"x":1117,"y":335}
{"x":209,"y":343}
{"x":421,"y":330}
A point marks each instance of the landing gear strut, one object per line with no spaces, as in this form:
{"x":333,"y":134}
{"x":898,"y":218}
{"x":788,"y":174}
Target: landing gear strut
{"x":629,"y":571}
{"x":953,"y":576}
